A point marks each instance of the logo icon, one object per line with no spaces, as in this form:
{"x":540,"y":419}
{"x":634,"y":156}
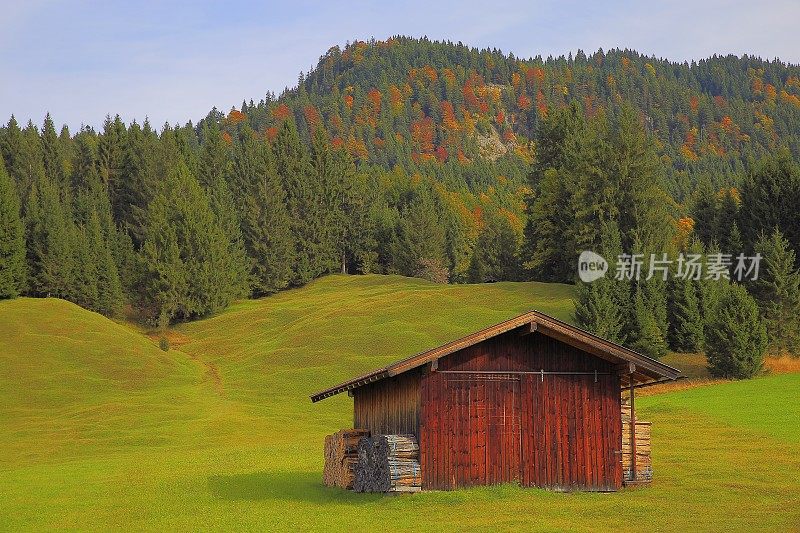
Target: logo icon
{"x":591,"y":266}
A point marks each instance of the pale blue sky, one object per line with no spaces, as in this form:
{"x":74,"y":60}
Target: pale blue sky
{"x":174,"y":61}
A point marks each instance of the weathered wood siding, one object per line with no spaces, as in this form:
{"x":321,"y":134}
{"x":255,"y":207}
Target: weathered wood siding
{"x":389,"y":406}
{"x":563,"y":431}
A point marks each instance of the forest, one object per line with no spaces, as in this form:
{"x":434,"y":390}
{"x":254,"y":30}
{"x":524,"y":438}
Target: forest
{"x":439,"y":161}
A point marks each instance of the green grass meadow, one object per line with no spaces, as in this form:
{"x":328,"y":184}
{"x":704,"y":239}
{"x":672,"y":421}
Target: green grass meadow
{"x":100,"y":429}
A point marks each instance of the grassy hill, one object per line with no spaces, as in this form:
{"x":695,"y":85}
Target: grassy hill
{"x":100,"y":429}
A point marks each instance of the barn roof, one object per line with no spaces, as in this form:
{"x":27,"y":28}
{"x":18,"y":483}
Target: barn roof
{"x":645,"y":370}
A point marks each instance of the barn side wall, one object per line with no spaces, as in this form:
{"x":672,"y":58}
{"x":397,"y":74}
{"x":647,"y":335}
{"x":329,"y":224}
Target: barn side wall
{"x":559,"y":431}
{"x":389,"y":406}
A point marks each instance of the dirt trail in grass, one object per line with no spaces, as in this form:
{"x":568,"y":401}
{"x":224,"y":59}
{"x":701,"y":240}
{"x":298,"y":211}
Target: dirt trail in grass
{"x":211,"y":373}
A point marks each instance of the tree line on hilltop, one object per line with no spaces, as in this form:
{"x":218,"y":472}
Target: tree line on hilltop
{"x":438,"y":161}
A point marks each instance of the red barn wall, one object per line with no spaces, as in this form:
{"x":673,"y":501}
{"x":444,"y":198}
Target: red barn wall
{"x":563,"y":431}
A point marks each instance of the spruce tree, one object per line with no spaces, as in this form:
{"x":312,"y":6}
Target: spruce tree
{"x":111,"y":151}
{"x":214,"y":169}
{"x":648,"y":337}
{"x":12,"y":239}
{"x":54,"y":157}
{"x":736,"y":339}
{"x":476,"y":273}
{"x":300,"y":181}
{"x":548,"y":253}
{"x":84,"y":289}
{"x":109,"y":298}
{"x":600,"y":305}
{"x":498,"y":248}
{"x":165,"y":279}
{"x":420,"y":240}
{"x":777,"y":292}
{"x":685,"y":309}
{"x":50,"y":237}
{"x":138,"y":182}
{"x":186,"y":254}
{"x":265,"y":222}
{"x":330,"y":171}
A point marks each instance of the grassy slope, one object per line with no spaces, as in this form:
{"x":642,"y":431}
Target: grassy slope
{"x":100,"y":429}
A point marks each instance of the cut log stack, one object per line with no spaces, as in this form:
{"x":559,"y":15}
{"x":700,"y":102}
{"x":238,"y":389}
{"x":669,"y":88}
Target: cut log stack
{"x":644,"y":464}
{"x":341,"y":456}
{"x":388,"y":463}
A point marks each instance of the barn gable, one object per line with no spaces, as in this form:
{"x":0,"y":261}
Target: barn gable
{"x":642,"y":369}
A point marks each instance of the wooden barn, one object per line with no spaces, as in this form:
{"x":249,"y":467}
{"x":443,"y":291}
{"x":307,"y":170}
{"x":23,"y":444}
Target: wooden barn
{"x":531,"y":400}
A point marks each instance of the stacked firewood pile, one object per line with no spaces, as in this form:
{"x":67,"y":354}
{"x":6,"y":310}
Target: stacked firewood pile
{"x":341,"y":456}
{"x":644,"y":464}
{"x":388,"y":463}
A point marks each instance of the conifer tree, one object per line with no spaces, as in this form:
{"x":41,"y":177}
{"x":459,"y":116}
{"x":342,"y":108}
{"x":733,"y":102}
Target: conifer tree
{"x":648,"y":337}
{"x":686,"y":316}
{"x":50,"y":236}
{"x":213,"y":167}
{"x":302,"y":187}
{"x":111,"y":151}
{"x":600,"y":305}
{"x":84,"y":289}
{"x":547,"y":251}
{"x":330,"y":172}
{"x":476,"y":273}
{"x":266,"y":227}
{"x":165,"y":279}
{"x":133,"y":192}
{"x":109,"y":288}
{"x":648,"y":323}
{"x":711,"y":290}
{"x":777,"y":292}
{"x":54,"y":158}
{"x":186,"y":254}
{"x":12,"y":239}
{"x":420,"y":237}
{"x":498,"y":248}
{"x":736,"y":339}
{"x":770,"y":196}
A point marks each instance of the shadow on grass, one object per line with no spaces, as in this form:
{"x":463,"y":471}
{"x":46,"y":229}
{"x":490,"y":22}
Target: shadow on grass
{"x":295,"y":486}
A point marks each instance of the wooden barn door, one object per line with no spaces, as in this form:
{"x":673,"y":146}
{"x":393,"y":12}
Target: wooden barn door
{"x":481,"y":426}
{"x":570,"y":432}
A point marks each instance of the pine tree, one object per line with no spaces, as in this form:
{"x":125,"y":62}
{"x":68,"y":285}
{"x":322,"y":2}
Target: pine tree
{"x":736,"y":339}
{"x":265,"y":222}
{"x":685,"y":309}
{"x":330,"y":170}
{"x":477,"y":270}
{"x":213,"y":171}
{"x":777,"y":291}
{"x":54,"y":157}
{"x":770,"y":196}
{"x":84,"y":289}
{"x":704,"y":211}
{"x":186,"y":254}
{"x":12,"y":239}
{"x":111,"y":151}
{"x":165,"y":281}
{"x":711,"y":290}
{"x":301,"y":183}
{"x":600,"y":305}
{"x":547,"y":252}
{"x":109,"y":288}
{"x":132,"y":193}
{"x":50,"y":237}
{"x":498,"y":248}
{"x":420,"y":237}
